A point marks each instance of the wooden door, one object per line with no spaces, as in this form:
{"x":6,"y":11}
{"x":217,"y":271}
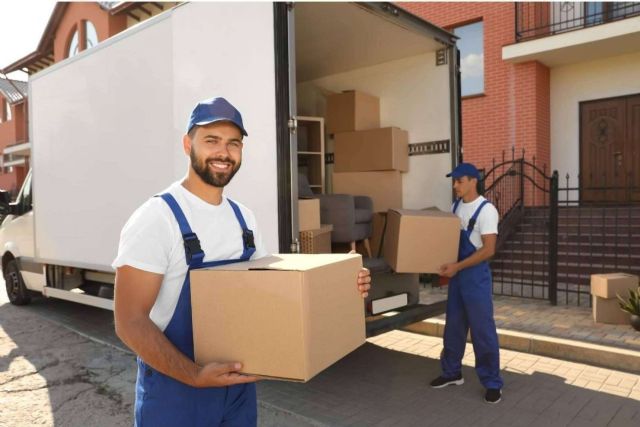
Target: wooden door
{"x":632,"y":162}
{"x":609,"y":149}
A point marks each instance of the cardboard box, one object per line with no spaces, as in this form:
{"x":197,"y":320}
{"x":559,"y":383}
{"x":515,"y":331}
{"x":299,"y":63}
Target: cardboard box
{"x":384,"y":187}
{"x":610,"y":285}
{"x":286,"y":316}
{"x":371,"y":150}
{"x":418,"y":241}
{"x":352,"y":110}
{"x":608,"y":311}
{"x":316,"y":241}
{"x":308,"y":214}
{"x":377,"y":228}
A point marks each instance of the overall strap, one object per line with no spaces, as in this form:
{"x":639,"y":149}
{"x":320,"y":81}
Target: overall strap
{"x":193,"y":252}
{"x":248,"y":244}
{"x":455,"y":205}
{"x":474,"y":218}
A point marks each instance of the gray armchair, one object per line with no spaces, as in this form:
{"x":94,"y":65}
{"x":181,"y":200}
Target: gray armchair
{"x":350,"y":215}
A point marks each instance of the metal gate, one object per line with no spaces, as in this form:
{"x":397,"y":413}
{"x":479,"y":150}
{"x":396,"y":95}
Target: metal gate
{"x":526,"y":199}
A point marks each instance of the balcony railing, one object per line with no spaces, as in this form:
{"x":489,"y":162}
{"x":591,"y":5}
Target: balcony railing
{"x":542,"y":19}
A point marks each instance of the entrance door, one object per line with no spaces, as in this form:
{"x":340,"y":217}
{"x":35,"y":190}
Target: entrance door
{"x":610,"y":150}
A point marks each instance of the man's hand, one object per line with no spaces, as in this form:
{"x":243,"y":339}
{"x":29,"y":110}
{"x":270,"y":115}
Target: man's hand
{"x":221,"y":375}
{"x":364,"y":282}
{"x":449,"y":270}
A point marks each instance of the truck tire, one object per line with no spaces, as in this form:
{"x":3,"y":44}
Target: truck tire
{"x":16,"y":290}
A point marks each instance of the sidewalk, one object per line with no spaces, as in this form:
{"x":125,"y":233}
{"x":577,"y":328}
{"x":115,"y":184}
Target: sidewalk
{"x":566,"y":332}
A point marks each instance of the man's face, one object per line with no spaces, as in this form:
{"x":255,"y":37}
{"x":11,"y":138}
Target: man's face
{"x":464,"y":185}
{"x":216,"y":152}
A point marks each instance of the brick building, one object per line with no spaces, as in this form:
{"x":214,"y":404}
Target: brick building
{"x":13,"y":134}
{"x":560,"y":81}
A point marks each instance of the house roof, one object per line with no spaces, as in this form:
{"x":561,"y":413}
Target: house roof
{"x":42,"y":57}
{"x":13,"y":90}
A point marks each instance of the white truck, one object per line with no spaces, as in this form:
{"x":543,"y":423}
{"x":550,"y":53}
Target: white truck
{"x":106,"y":127}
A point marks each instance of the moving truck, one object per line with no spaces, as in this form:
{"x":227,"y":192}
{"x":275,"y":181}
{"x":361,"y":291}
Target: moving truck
{"x":106,"y":128}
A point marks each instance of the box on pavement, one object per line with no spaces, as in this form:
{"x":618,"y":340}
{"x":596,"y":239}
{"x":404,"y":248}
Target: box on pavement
{"x":419,"y":241}
{"x":316,"y":241}
{"x":308,"y":214}
{"x":371,"y":150}
{"x":286,"y":316}
{"x":607,"y":310}
{"x":352,"y":110}
{"x":610,"y":285}
{"x":384,"y":187}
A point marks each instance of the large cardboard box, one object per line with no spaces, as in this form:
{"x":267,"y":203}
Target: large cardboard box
{"x":308,"y":214}
{"x":384,"y":187}
{"x":608,"y":311}
{"x":610,"y":285}
{"x":287,"y":316}
{"x":316,"y":241}
{"x":418,"y":241}
{"x":371,"y":150}
{"x":352,"y":110}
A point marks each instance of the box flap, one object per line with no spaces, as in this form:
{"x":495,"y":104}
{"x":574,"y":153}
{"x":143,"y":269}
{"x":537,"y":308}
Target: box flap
{"x":287,"y":262}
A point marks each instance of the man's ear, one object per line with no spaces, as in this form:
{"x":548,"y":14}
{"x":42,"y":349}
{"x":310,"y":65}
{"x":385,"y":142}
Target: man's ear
{"x":186,"y":144}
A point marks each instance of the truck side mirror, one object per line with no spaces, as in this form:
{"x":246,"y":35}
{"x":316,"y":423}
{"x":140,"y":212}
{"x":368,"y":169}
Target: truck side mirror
{"x":5,"y":201}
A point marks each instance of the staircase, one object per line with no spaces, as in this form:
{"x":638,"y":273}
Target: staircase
{"x":591,"y":240}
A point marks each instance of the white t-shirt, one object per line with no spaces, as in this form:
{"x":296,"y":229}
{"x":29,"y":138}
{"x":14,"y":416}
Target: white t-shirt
{"x":151,"y":241}
{"x":487,"y":222}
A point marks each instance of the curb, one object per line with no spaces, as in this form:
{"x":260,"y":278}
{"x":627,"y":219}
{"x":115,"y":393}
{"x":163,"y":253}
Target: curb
{"x":560,"y":348}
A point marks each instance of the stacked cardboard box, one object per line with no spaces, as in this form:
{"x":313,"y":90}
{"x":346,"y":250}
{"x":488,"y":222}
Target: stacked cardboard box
{"x":308,"y":214}
{"x":368,"y":160}
{"x":604,"y":289}
{"x":316,"y":241}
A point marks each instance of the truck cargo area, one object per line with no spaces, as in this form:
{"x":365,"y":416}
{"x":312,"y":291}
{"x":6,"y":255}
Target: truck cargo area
{"x":346,"y":47}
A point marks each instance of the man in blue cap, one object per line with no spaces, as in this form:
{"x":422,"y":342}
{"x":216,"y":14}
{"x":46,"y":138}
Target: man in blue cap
{"x":190,"y":225}
{"x":469,"y":303}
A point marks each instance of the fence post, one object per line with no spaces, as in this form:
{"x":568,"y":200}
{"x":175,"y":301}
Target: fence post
{"x":553,"y":239}
{"x":521,"y":183}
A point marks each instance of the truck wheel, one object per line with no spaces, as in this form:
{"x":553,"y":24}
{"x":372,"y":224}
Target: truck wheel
{"x":16,"y":290}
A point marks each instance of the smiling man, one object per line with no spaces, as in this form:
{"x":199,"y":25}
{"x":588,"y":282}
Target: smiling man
{"x":469,"y":299}
{"x":191,"y":225}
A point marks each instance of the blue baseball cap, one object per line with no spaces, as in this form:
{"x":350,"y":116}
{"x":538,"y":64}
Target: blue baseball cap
{"x":215,"y":110}
{"x":464,"y":169}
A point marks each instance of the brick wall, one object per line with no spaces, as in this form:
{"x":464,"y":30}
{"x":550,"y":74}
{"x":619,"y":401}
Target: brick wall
{"x":514,"y":110}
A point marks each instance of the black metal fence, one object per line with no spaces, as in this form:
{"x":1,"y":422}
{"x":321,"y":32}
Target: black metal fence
{"x":541,"y":19}
{"x":553,"y":235}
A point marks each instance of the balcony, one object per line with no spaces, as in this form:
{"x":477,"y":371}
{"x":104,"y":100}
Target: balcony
{"x":559,"y":33}
{"x":542,"y":19}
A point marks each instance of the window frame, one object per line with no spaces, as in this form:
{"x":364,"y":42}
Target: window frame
{"x":453,"y":29}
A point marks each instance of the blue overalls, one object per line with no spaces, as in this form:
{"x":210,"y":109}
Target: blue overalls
{"x":470,"y":305}
{"x":164,"y":401}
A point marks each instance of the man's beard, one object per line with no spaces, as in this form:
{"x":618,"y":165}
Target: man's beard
{"x":204,"y":172}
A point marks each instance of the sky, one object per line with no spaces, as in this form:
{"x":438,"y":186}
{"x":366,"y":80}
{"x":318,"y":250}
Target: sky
{"x":471,"y":58}
{"x":23,"y":23}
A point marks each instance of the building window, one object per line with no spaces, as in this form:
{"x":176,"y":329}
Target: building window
{"x":74,"y":46}
{"x":7,"y":109}
{"x":90,"y":38}
{"x":92,"y":35}
{"x":471,"y":47}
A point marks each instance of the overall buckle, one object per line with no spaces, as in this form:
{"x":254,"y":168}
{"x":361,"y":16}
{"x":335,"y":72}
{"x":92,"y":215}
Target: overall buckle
{"x":191,"y":246}
{"x":247,"y":239}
